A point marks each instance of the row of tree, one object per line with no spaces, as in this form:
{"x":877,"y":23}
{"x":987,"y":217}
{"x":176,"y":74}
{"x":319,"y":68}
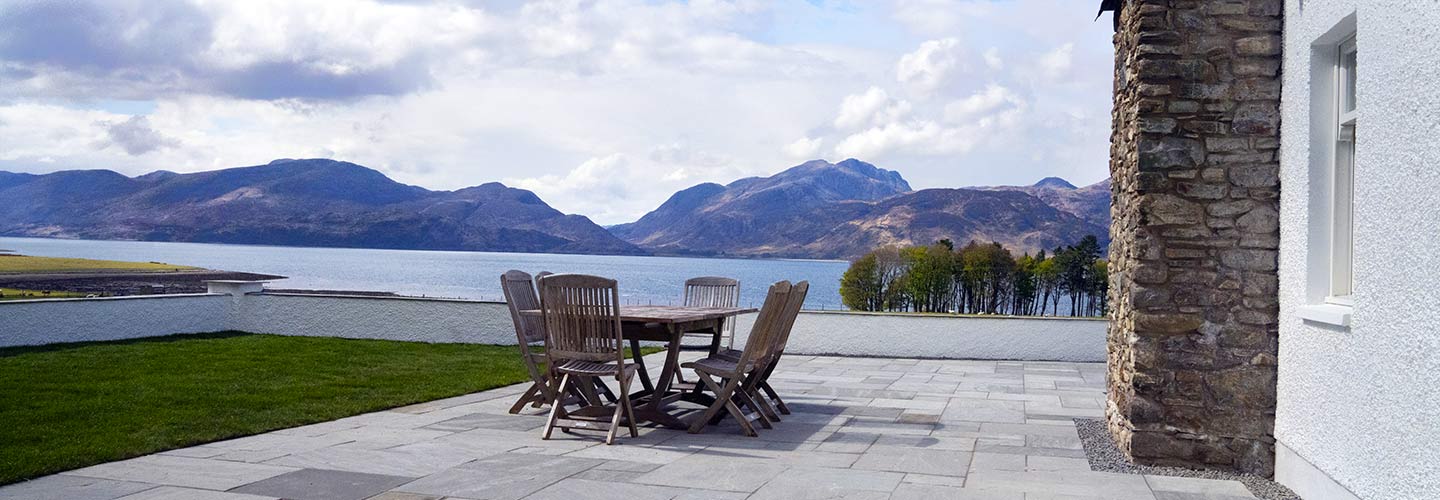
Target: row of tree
{"x":979,"y":279}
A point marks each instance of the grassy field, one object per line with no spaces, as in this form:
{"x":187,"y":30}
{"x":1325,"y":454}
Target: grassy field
{"x":72,"y":405}
{"x":28,"y":264}
{"x":13,"y":294}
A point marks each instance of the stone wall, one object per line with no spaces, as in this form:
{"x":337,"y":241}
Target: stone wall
{"x":1192,"y":340}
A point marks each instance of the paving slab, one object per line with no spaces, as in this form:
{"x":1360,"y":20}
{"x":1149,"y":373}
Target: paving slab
{"x":503,"y":477}
{"x":182,"y":471}
{"x":714,"y":473}
{"x":320,"y":484}
{"x":179,"y":493}
{"x":67,"y":487}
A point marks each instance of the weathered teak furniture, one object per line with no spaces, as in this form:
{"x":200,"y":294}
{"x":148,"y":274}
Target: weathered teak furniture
{"x":725,"y":376}
{"x":584,"y":341}
{"x":761,"y":380}
{"x":520,"y":295}
{"x":713,"y":291}
{"x":667,"y":324}
{"x":710,"y":291}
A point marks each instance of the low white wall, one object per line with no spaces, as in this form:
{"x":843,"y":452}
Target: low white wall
{"x":465,"y":321}
{"x":49,"y":321}
{"x":389,"y":318}
{"x":947,"y":337}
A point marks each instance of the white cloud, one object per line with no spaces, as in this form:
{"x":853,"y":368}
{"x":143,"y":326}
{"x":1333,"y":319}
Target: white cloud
{"x":1056,"y":64}
{"x":981,"y":103}
{"x":604,"y":107}
{"x":874,"y":106}
{"x":804,"y":148}
{"x":931,"y":65}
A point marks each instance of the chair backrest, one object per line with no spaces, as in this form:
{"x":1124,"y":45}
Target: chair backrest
{"x":712,"y":291}
{"x":582,"y":318}
{"x":792,"y":311}
{"x":520,"y":296}
{"x":767,"y":324}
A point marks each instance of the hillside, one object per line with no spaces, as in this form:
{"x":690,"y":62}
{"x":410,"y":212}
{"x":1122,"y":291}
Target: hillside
{"x":313,"y":202}
{"x":841,"y":210}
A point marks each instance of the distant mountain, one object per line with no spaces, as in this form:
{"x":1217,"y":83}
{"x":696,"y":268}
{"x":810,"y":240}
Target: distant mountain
{"x":313,"y":202}
{"x":1091,"y":203}
{"x":842,"y":210}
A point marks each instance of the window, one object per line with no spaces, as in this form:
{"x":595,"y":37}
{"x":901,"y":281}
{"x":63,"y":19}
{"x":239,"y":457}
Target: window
{"x":1343,"y":197}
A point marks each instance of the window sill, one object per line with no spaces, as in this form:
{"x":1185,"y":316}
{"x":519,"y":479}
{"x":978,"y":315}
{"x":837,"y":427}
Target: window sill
{"x":1329,"y":314}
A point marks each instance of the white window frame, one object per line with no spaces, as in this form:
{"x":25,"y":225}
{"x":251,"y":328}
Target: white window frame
{"x":1330,"y":256}
{"x":1342,"y":197}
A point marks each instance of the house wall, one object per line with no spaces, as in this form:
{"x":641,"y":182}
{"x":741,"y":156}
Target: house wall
{"x":1195,"y":183}
{"x":465,"y":321}
{"x":1358,"y":410}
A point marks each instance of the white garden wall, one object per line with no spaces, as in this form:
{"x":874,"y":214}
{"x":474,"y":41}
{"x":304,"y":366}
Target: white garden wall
{"x":442,"y":320}
{"x":48,"y":321}
{"x":1359,"y":407}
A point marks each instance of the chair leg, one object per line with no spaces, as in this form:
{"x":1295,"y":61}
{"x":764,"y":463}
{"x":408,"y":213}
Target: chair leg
{"x":614,"y":424}
{"x":625,"y":402}
{"x":743,"y":395}
{"x":556,"y":406}
{"x":532,"y":395}
{"x":779,"y":403}
{"x":604,"y":389}
{"x":723,"y":400}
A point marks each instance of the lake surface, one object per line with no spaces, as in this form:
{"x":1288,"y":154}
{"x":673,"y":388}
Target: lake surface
{"x":471,"y":275}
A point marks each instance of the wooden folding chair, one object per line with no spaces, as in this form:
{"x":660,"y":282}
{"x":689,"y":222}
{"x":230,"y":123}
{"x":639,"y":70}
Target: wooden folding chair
{"x":725,"y":376}
{"x":584,"y":341}
{"x":520,"y":295}
{"x":761,"y":380}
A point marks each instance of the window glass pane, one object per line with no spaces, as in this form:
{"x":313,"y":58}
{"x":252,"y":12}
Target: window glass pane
{"x":1347,"y":73}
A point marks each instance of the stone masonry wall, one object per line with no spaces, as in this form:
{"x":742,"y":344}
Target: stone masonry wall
{"x":1193,"y":337}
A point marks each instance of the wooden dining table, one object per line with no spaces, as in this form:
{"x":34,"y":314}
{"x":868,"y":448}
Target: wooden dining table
{"x":668,"y":324}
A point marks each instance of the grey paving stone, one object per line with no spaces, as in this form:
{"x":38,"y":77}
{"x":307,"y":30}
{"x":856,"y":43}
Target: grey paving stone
{"x":573,"y":489}
{"x":181,"y":471}
{"x":984,"y":410}
{"x":848,"y":442}
{"x":508,"y":476}
{"x":916,"y":460}
{"x":997,"y":461}
{"x":409,"y":463}
{"x":1208,"y":487}
{"x":1095,"y":484}
{"x":951,"y":443}
{"x":817,"y":483}
{"x":179,"y":493}
{"x":1039,"y":463}
{"x":67,"y":487}
{"x":913,"y":491}
{"x":398,"y":495}
{"x":714,"y":473}
{"x":320,"y":484}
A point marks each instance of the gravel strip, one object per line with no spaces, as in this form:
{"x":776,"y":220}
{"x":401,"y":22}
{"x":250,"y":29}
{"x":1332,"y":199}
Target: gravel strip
{"x":1105,"y":457}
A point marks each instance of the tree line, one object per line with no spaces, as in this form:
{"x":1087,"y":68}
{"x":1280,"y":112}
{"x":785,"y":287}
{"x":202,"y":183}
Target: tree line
{"x":979,"y":279}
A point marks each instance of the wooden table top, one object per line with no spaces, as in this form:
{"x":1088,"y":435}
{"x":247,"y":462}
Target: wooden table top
{"x":671,"y":314}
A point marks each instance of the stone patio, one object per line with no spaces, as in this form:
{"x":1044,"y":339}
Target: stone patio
{"x":862,"y":428}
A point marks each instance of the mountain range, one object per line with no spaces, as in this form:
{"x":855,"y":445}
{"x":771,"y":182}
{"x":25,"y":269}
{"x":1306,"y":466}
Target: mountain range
{"x":813,"y":210}
{"x":292,"y":202}
{"x":842,"y":210}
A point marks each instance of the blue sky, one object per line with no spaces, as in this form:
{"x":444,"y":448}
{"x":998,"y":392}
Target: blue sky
{"x":603,"y":108}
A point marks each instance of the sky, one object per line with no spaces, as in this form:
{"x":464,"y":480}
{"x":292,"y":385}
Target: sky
{"x":603,"y":108}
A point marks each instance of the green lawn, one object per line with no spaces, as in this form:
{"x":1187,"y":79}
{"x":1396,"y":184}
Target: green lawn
{"x":72,"y":405}
{"x":29,"y":264}
{"x":13,"y":294}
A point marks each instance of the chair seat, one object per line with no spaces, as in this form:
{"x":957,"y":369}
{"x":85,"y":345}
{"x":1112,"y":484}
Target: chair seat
{"x":716,"y":365}
{"x":592,"y":368}
{"x":731,"y":354}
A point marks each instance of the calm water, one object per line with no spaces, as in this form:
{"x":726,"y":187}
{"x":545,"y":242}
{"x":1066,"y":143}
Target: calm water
{"x":474,"y":275}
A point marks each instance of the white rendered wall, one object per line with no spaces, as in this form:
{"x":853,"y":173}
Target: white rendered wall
{"x":388,"y":318}
{"x":440,"y":320}
{"x":48,"y":321}
{"x":1362,"y":404}
{"x":945,"y":337}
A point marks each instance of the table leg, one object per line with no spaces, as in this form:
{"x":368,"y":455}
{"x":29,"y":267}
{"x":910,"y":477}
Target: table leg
{"x":654,"y":408}
{"x":715,"y":340}
{"x":640,"y":365}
